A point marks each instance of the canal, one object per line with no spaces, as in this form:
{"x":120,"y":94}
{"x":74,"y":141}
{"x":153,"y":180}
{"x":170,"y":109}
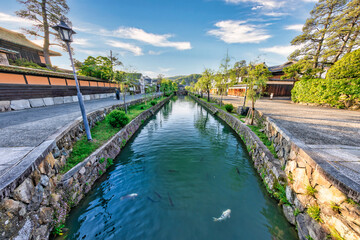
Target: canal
{"x":186,"y":167}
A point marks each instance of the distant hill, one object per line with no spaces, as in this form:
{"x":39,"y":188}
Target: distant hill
{"x":188,"y":79}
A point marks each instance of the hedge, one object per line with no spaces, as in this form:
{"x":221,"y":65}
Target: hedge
{"x":340,"y":93}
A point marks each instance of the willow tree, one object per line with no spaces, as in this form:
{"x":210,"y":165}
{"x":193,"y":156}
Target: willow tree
{"x":317,"y":28}
{"x":256,"y":79}
{"x":44,"y":14}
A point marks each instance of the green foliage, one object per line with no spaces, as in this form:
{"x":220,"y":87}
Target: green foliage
{"x":25,"y":63}
{"x":340,"y":93}
{"x":229,"y":107}
{"x":303,"y":69}
{"x":280,"y":194}
{"x":308,"y":237}
{"x":347,"y":67}
{"x":310,"y":190}
{"x":99,"y":67}
{"x":192,"y":78}
{"x":335,"y":207}
{"x":350,"y":201}
{"x":296,"y":212}
{"x":58,"y":230}
{"x":264,"y":139}
{"x":117,"y":119}
{"x":101,"y":160}
{"x":335,"y":234}
{"x":291,"y":177}
{"x":153,"y":102}
{"x":314,"y":213}
{"x":100,"y":172}
{"x":110,"y":162}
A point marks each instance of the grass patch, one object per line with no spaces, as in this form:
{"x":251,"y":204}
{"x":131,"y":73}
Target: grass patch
{"x":100,"y":133}
{"x":264,"y":139}
{"x":280,"y":194}
{"x":314,"y":213}
{"x":310,"y":190}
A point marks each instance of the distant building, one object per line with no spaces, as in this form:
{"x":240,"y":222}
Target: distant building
{"x":15,"y":45}
{"x":275,"y":85}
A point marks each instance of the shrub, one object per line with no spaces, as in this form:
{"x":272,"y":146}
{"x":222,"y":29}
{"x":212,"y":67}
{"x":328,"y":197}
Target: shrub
{"x":339,"y":93}
{"x":346,"y":67}
{"x":229,"y":107}
{"x":117,"y":119}
{"x":153,"y":103}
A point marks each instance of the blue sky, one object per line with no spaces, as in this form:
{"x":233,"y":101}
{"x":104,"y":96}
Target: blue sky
{"x":178,"y":37}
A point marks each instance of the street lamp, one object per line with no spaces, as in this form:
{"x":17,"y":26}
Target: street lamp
{"x":66,"y":33}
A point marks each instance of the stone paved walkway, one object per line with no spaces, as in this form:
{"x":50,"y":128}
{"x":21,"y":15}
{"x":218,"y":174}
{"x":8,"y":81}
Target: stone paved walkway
{"x":334,"y":134}
{"x":22,"y":131}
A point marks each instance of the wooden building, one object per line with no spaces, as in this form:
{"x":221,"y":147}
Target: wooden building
{"x":15,"y":45}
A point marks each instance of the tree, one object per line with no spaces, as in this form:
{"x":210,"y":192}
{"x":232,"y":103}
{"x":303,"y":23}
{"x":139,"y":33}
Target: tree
{"x":239,"y":70}
{"x":303,"y":69}
{"x":315,"y":31}
{"x":99,"y":67}
{"x":345,"y":30}
{"x":256,"y":79}
{"x":44,"y":14}
{"x":206,"y":81}
{"x":114,"y":59}
{"x":225,"y":77}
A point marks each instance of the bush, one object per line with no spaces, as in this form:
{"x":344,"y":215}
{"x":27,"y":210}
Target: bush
{"x":117,"y":119}
{"x":346,"y":67}
{"x":229,"y":107}
{"x":341,"y":93}
{"x":153,"y":103}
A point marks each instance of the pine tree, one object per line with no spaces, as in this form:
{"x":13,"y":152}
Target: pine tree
{"x":315,"y":31}
{"x":44,"y":14}
{"x":345,"y":30}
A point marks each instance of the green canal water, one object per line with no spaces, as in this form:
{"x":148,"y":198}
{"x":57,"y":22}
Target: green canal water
{"x":183,"y":165}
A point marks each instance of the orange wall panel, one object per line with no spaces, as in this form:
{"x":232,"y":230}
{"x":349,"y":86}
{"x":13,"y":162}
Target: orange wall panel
{"x":36,"y":80}
{"x":71,"y":82}
{"x":8,"y":78}
{"x":58,"y":81}
{"x":84,"y":83}
{"x":93,"y":84}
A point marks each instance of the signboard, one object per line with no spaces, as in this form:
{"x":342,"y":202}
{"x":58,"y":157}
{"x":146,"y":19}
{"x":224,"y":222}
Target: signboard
{"x":3,"y":59}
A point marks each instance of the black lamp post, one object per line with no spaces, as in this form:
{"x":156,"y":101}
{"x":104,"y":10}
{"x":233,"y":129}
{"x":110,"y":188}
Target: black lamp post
{"x":66,"y":33}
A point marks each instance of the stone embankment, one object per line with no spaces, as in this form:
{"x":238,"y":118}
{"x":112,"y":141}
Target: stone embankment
{"x":37,"y":200}
{"x":316,"y":204}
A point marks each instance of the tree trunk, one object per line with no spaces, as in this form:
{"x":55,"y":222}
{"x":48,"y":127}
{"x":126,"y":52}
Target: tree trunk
{"x":125,"y":106}
{"x":208,"y":93}
{"x":46,"y":34}
{"x":252,"y":111}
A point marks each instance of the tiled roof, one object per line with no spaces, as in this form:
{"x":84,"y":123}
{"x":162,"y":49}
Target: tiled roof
{"x":279,"y":68}
{"x":20,"y":39}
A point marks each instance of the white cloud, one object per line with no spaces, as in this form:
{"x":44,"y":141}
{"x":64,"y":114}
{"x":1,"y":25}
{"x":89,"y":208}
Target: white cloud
{"x":313,"y":1}
{"x":137,"y":51}
{"x":164,"y":70}
{"x":82,"y":42}
{"x":154,"y":52}
{"x":276,"y":14}
{"x":91,"y":52}
{"x":231,"y":31}
{"x":150,"y":38}
{"x":280,"y":50}
{"x":150,"y":74}
{"x":14,"y":19}
{"x":295,"y":27}
{"x":265,"y":3}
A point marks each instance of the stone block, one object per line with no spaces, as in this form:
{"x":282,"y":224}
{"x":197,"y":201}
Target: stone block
{"x":318,"y":179}
{"x":301,"y":180}
{"x":329,"y":195}
{"x":48,"y":101}
{"x":68,"y":99}
{"x":5,"y":106}
{"x":19,"y":104}
{"x":58,"y":100}
{"x":24,"y":191}
{"x":289,"y":213}
{"x":36,"y":102}
{"x":75,"y":99}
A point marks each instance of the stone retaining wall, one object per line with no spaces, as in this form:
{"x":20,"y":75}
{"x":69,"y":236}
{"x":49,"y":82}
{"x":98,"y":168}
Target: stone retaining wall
{"x":305,"y":182}
{"x":30,"y":209}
